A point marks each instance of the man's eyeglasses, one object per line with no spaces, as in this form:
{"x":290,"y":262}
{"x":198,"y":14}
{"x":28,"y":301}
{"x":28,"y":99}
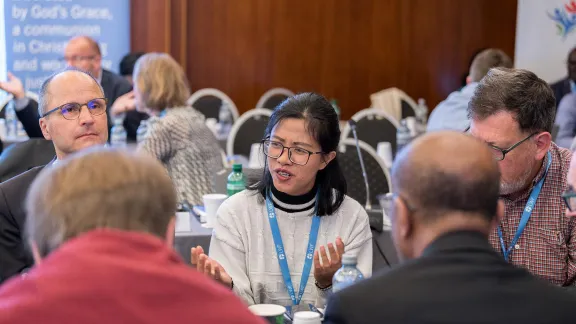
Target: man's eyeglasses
{"x":569,"y":197}
{"x":78,"y":58}
{"x":297,"y":155}
{"x":499,"y":153}
{"x":72,"y":110}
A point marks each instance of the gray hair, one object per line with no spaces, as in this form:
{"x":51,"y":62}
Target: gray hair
{"x":127,"y":191}
{"x":519,"y":92}
{"x":487,"y":59}
{"x":44,"y":95}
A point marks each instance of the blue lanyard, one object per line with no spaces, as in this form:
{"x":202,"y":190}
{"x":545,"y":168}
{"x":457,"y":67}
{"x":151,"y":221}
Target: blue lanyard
{"x":525,"y":214}
{"x":282,"y":256}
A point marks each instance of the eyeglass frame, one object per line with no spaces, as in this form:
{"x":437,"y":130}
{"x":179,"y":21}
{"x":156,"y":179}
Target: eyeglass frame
{"x":78,"y":58}
{"x":263,"y":142}
{"x":506,"y":151}
{"x":392,"y":197}
{"x":81,"y":105}
{"x":569,"y":193}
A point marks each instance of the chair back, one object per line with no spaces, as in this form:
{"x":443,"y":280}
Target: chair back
{"x":378,"y":176}
{"x":21,"y":157}
{"x":247,"y":130}
{"x":373,"y":126}
{"x":208,"y":101}
{"x":395,"y":102}
{"x":273,"y":97}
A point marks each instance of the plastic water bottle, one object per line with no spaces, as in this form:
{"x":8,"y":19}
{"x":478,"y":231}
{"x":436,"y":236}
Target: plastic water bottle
{"x":224,"y":119}
{"x":118,"y":133}
{"x":236,"y":180}
{"x":334,"y":103}
{"x":403,"y":136}
{"x":142,"y":131}
{"x":422,"y":115}
{"x":11,"y":120}
{"x":348,"y":274}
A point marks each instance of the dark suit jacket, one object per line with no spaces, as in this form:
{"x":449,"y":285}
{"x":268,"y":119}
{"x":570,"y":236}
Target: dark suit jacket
{"x":14,"y":256}
{"x":459,"y":279}
{"x":114,"y":86}
{"x":560,"y":88}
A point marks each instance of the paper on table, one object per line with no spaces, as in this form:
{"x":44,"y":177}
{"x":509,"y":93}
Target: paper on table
{"x":183,"y":222}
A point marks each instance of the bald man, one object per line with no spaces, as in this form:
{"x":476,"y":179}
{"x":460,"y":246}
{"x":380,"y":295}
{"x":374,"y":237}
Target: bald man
{"x":73,"y":117}
{"x":445,"y":204}
{"x":83,"y":53}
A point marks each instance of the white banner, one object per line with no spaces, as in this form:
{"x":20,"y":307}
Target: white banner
{"x":545,"y":34}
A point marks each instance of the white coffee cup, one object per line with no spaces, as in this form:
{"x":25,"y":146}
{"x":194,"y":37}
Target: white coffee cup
{"x":412,"y":126}
{"x":384,"y":150}
{"x":307,"y":318}
{"x":211,"y":204}
{"x":256,"y":159}
{"x":272,"y":313}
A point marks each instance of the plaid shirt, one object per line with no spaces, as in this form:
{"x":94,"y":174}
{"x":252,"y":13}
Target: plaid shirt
{"x":547,"y":247}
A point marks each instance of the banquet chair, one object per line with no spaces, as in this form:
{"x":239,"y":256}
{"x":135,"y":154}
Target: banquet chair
{"x":373,"y":126}
{"x":273,"y":97}
{"x":395,"y":102}
{"x":376,"y":171}
{"x":247,"y":130}
{"x":208,"y":101}
{"x":21,"y":157}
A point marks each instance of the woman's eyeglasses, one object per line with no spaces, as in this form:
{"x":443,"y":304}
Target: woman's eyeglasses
{"x":296,"y":155}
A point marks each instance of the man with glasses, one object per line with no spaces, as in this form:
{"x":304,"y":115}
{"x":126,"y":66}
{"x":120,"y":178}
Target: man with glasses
{"x":513,"y":111}
{"x":83,"y":53}
{"x":73,"y":116}
{"x":444,"y":206}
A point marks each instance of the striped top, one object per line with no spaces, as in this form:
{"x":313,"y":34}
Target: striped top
{"x":180,"y":139}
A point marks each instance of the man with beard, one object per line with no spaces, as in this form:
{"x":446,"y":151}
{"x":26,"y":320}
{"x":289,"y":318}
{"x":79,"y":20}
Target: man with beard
{"x":513,"y":111}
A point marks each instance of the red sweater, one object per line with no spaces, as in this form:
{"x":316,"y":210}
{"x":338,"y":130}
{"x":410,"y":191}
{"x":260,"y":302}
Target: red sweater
{"x":115,"y":277}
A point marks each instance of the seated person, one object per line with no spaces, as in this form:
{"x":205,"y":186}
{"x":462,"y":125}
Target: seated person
{"x":566,"y":85}
{"x":566,"y":121}
{"x":452,"y":113}
{"x":83,"y":53}
{"x":177,"y":133}
{"x":301,"y":204}
{"x":101,"y":230}
{"x":446,"y":203}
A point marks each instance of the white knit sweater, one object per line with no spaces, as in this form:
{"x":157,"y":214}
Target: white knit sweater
{"x":242,"y":243}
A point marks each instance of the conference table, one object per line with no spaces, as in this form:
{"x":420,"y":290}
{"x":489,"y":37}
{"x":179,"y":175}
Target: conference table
{"x":190,"y":233}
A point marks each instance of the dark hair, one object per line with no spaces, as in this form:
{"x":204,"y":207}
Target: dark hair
{"x":128,"y":62}
{"x":323,"y":125}
{"x":520,"y":92}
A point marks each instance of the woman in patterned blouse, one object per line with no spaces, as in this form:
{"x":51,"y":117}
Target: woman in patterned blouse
{"x":177,"y":134}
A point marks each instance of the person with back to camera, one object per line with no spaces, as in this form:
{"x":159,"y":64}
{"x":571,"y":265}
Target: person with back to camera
{"x":303,"y":191}
{"x":177,"y":134}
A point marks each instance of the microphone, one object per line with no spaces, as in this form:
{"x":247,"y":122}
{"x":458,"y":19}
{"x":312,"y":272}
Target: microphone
{"x":352,"y":124}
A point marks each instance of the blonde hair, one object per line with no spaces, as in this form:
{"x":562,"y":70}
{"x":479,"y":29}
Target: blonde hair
{"x":95,"y":189}
{"x":161,"y":81}
{"x":487,"y":59}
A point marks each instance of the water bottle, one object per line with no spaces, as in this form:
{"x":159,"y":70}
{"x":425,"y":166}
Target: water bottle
{"x":422,"y":116}
{"x":11,"y":120}
{"x":142,"y":131}
{"x":403,"y":136}
{"x":348,"y":274}
{"x":334,"y":103}
{"x":118,"y":133}
{"x":224,"y":119}
{"x":236,"y":180}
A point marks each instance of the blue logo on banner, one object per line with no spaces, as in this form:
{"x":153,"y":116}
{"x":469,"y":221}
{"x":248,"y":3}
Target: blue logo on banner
{"x":37,"y":32}
{"x":565,"y":18}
